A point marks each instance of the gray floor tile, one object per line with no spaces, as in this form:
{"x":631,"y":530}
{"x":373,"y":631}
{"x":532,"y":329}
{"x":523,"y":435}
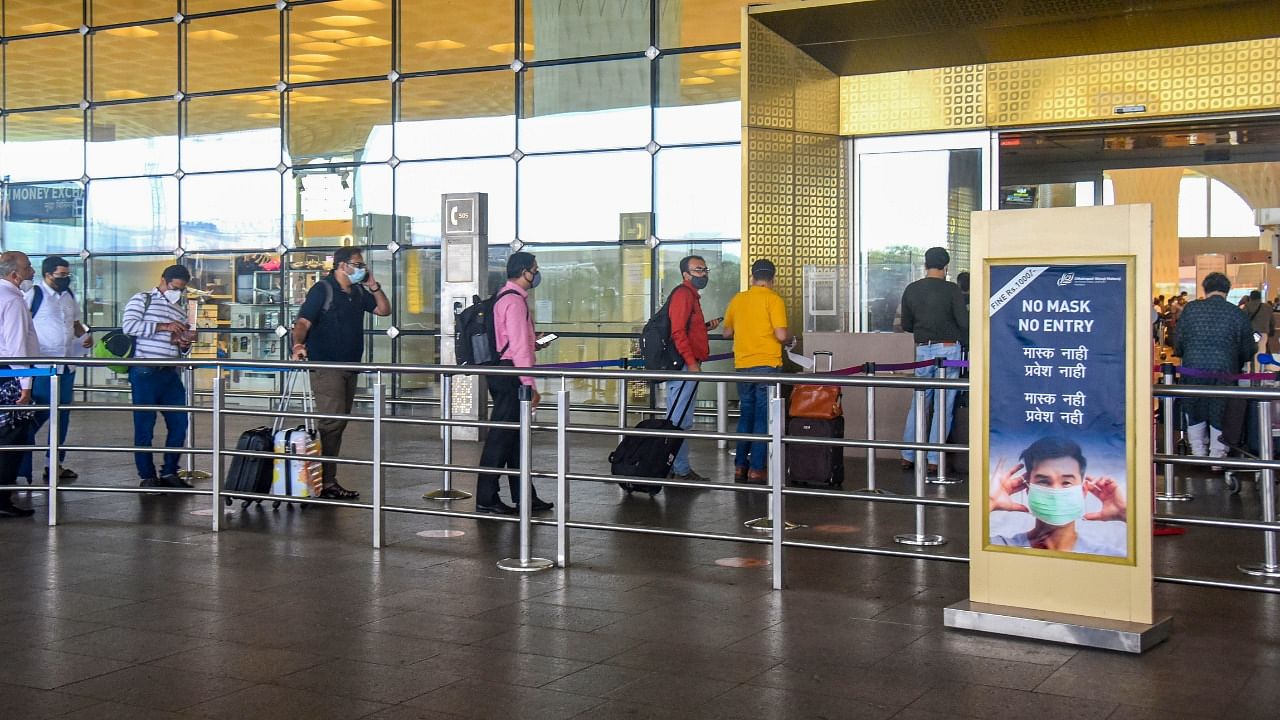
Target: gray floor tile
{"x":675,"y":659}
{"x":128,"y":644}
{"x":49,"y":669}
{"x":501,"y":666}
{"x":486,"y":700}
{"x":158,"y":688}
{"x":243,"y":661}
{"x":378,"y":648}
{"x":430,"y":626}
{"x":991,"y":703}
{"x":116,"y":711}
{"x":588,"y":647}
{"x":280,"y":703}
{"x":366,"y":681}
{"x":40,"y":630}
{"x":25,"y":702}
{"x":671,"y":691}
{"x":752,"y":701}
{"x":1192,"y":693}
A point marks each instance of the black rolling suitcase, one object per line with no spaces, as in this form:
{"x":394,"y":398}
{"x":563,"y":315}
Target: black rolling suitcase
{"x":641,"y":456}
{"x":251,"y":474}
{"x":815,"y":465}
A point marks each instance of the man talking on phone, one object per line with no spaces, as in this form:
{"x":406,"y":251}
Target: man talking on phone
{"x":689,"y":336}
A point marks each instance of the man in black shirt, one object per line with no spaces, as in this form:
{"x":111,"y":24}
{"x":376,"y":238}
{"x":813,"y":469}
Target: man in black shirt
{"x":934,"y":311}
{"x":330,"y":328}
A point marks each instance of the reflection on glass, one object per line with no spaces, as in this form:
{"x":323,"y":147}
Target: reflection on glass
{"x":44,"y":145}
{"x":1230,"y":215}
{"x":444,"y":34}
{"x":465,"y":115}
{"x":417,"y":290}
{"x":590,"y":289}
{"x":231,"y":210}
{"x":703,"y":22}
{"x":26,"y":17}
{"x":233,"y":51}
{"x":419,"y":187}
{"x":44,"y":71}
{"x":698,"y":98}
{"x":419,"y":350}
{"x":340,"y":122}
{"x":44,"y":218}
{"x":134,"y":139}
{"x":586,"y":106}
{"x":555,"y":30}
{"x":231,"y":132}
{"x":125,"y":62}
{"x":110,"y":12}
{"x":699,"y":193}
{"x":111,"y":280}
{"x":582,"y":198}
{"x":342,"y":39}
{"x":133,"y":215}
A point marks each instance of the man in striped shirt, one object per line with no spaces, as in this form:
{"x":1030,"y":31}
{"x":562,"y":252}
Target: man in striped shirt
{"x":157,"y":320}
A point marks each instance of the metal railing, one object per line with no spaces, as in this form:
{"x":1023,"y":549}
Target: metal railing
{"x":778,"y":492}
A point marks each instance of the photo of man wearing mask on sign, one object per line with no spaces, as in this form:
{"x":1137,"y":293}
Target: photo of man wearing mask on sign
{"x":1071,"y":512}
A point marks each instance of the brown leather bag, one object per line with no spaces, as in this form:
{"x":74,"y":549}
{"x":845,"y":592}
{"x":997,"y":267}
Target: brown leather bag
{"x":816,"y":402}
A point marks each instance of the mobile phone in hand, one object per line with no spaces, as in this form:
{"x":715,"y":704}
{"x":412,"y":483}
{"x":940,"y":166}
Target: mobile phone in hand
{"x":546,"y":339}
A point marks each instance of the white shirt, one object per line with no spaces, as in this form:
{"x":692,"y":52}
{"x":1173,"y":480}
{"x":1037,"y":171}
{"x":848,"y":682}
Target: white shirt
{"x":17,"y":334}
{"x":55,"y":322}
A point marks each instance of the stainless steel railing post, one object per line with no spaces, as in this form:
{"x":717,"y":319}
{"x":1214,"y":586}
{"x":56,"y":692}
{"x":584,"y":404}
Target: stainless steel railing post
{"x":920,"y":537}
{"x":562,"y":479}
{"x":215,"y":446}
{"x":54,"y":466}
{"x":379,"y":408}
{"x":526,"y":562}
{"x":446,"y":492}
{"x":777,"y":465}
{"x":1270,"y":565}
{"x":869,"y":369}
{"x":940,"y":409}
{"x":1170,"y":493}
{"x":722,"y":413}
{"x":189,"y":382}
{"x":622,"y":407}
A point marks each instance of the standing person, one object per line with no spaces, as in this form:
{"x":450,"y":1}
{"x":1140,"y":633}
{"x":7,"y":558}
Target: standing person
{"x":57,"y":317}
{"x":1212,"y":335}
{"x":157,"y":321}
{"x":330,"y":328}
{"x":689,"y":335}
{"x":933,"y":310}
{"x":756,"y":320}
{"x":1261,"y":318}
{"x":514,"y":336}
{"x":17,"y":339}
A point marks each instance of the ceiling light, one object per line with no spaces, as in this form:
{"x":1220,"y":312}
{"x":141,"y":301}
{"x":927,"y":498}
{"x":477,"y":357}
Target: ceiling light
{"x":299,"y":77}
{"x":44,"y":27}
{"x":67,"y":120}
{"x":366,"y":41}
{"x":293,"y":38}
{"x":132,"y":32}
{"x":358,"y":5}
{"x":312,"y":58}
{"x":306,"y":68}
{"x":253,"y":96}
{"x":264,"y":116}
{"x":732,"y":62}
{"x":320,"y":46}
{"x":370,"y":101}
{"x":273,"y":102}
{"x":331,"y":34}
{"x":125,"y":94}
{"x":297,"y":98}
{"x":717,"y":72}
{"x":508,"y":48}
{"x":696,"y":81}
{"x":344,"y":21}
{"x":216,"y":35}
{"x":721,"y":55}
{"x":439,"y":45}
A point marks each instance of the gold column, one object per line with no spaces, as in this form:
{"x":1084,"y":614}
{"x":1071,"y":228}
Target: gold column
{"x":1159,"y":188}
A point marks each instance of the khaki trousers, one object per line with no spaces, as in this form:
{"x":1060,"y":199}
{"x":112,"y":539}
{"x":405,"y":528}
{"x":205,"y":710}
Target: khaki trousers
{"x":335,"y":391}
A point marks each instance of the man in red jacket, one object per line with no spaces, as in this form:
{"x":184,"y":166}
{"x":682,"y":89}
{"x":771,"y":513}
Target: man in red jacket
{"x":689,"y":335}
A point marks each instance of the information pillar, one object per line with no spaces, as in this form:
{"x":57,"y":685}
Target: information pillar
{"x":464,"y":272}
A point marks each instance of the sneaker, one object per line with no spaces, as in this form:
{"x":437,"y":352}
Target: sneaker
{"x":174,"y":481}
{"x":151,"y":483}
{"x":11,"y":510}
{"x":498,"y":508}
{"x":691,"y":476}
{"x":66,"y":476}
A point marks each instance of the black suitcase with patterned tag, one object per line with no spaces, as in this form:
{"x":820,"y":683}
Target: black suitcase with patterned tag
{"x":815,"y":465}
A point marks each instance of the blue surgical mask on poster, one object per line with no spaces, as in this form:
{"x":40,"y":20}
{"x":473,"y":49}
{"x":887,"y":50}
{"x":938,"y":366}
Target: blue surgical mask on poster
{"x":357,"y":275}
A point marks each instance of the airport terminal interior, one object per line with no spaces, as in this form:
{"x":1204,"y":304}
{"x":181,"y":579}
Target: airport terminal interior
{"x":249,"y":140}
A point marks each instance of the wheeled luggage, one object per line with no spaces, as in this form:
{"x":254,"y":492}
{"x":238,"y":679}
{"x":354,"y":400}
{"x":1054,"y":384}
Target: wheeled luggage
{"x":251,"y":474}
{"x":647,"y":456}
{"x":815,"y":411}
{"x":299,"y":476}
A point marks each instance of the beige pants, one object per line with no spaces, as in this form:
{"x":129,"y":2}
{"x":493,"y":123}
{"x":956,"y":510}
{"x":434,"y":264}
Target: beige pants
{"x":335,"y":391}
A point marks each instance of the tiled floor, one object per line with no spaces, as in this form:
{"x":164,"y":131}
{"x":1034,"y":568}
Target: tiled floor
{"x":133,"y":609}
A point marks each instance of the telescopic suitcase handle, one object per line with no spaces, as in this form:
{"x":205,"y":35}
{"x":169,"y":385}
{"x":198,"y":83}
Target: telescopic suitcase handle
{"x":823,"y":353}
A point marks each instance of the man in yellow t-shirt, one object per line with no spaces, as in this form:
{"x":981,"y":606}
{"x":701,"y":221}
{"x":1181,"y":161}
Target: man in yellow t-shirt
{"x":757,"y":321}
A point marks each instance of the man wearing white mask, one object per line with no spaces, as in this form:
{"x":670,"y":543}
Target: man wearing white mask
{"x":157,"y":321}
{"x":1056,"y":489}
{"x":17,"y":339}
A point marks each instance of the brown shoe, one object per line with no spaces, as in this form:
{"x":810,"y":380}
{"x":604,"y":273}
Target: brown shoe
{"x":758,"y":477}
{"x":740,"y":473}
{"x":908,"y":465}
{"x":932,"y":468}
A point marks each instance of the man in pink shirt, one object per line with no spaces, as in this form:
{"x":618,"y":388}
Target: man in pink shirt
{"x":514,"y":336}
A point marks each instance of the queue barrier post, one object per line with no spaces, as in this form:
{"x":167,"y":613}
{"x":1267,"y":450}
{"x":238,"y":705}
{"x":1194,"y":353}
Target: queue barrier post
{"x":526,"y":562}
{"x":777,"y":465}
{"x":215,"y":445}
{"x":941,"y":414}
{"x":189,"y":383}
{"x":53,"y":464}
{"x":869,"y":369}
{"x":920,"y":537}
{"x":447,"y":492}
{"x":379,"y":408}
{"x":1170,"y":493}
{"x":562,"y":473}
{"x":722,"y":413}
{"x":1270,"y":565}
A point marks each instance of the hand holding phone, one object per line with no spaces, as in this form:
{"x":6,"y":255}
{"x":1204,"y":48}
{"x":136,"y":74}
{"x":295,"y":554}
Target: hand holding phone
{"x":545,"y":340}
{"x":715,"y":323}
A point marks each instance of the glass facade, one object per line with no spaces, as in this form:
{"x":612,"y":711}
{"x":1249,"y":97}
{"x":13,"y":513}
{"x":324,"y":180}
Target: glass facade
{"x":248,"y":141}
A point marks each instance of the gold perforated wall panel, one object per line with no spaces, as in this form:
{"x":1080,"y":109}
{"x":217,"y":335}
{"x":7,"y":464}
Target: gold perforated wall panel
{"x":915,"y":100}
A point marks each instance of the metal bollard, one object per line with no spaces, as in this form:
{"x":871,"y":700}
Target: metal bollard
{"x":622,"y":408}
{"x":869,"y":369}
{"x":940,"y":409}
{"x":920,"y":537}
{"x":777,"y":464}
{"x":525,"y":563}
{"x":379,"y":408}
{"x":1170,"y":493}
{"x":1270,"y":565}
{"x":446,"y":493}
{"x":722,"y":413}
{"x":562,"y":479}
{"x":55,"y":467}
{"x":189,"y":380}
{"x":215,"y":446}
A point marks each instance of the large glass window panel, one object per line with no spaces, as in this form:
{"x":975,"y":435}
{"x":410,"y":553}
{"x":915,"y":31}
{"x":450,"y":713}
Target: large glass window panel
{"x":135,"y":62}
{"x":134,"y":214}
{"x":693,"y":23}
{"x":374,"y":222}
{"x":133,"y":139}
{"x":303,"y":268}
{"x":699,"y":193}
{"x":44,"y":71}
{"x":698,"y":98}
{"x":380,"y":267}
{"x":417,"y":291}
{"x":581,"y":198}
{"x":44,"y":217}
{"x":586,"y":106}
{"x":600,"y":288}
{"x":445,"y":34}
{"x":233,"y":51}
{"x":463,"y":115}
{"x":343,"y":39}
{"x":111,"y":12}
{"x":1229,"y":215}
{"x":24,"y":17}
{"x":340,"y":122}
{"x":44,"y":145}
{"x":231,"y":210}
{"x":231,"y":132}
{"x":1193,"y":207}
{"x":420,"y":185}
{"x":110,"y":281}
{"x":341,"y":206}
{"x":419,"y":350}
{"x":554,"y":29}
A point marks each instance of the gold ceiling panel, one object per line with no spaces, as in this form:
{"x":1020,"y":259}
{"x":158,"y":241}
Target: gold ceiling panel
{"x":445,"y":34}
{"x":694,"y":23}
{"x":134,"y":121}
{"x":233,"y":51}
{"x":340,"y":39}
{"x":314,"y":130}
{"x":111,"y":12}
{"x":135,"y":62}
{"x":221,"y":114}
{"x":447,"y":97}
{"x":44,"y":71}
{"x":27,"y":17}
{"x":44,"y":126}
{"x":700,"y":78}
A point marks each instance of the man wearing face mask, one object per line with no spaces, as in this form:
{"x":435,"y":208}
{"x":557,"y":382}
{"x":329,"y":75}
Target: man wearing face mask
{"x":330,"y":328}
{"x":514,"y":336}
{"x":1051,"y":472}
{"x":17,"y":339}
{"x":689,"y":335}
{"x":157,"y":321}
{"x":56,"y":314}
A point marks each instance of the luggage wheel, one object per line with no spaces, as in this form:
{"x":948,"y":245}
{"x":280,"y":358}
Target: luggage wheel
{"x":1233,"y":483}
{"x":227,"y":501}
{"x":275,"y":504}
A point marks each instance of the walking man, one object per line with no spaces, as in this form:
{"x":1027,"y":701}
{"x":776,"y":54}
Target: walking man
{"x":934,"y":311}
{"x":756,"y":319}
{"x":17,"y":339}
{"x":157,"y":321}
{"x":57,"y":317}
{"x":330,"y":328}
{"x":689,"y":336}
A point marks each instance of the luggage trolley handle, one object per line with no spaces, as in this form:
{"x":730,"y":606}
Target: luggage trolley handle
{"x":830,"y":356}
{"x":288,"y":391}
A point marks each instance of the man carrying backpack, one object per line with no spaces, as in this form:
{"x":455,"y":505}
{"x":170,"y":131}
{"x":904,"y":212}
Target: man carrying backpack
{"x":56,"y":314}
{"x":689,"y":336}
{"x":514,"y":339}
{"x":330,"y":328}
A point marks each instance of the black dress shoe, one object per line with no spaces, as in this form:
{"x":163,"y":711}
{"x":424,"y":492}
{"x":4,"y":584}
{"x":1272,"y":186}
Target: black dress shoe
{"x":11,"y":510}
{"x":540,"y":505}
{"x":498,"y":508}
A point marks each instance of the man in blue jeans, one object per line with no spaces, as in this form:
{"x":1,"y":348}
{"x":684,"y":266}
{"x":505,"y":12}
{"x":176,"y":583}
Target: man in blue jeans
{"x":934,"y":311}
{"x":689,"y":335}
{"x":157,"y":320}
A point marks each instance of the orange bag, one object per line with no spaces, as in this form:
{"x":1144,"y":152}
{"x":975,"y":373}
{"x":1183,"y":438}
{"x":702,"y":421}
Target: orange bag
{"x":816,"y":402}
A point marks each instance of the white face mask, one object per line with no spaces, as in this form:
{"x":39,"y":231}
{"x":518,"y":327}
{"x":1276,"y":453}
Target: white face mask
{"x":173,"y":296}
{"x":25,"y":285}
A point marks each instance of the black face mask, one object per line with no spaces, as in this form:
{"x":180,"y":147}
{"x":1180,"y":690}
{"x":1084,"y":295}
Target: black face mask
{"x":61,"y":284}
{"x":699,"y":281}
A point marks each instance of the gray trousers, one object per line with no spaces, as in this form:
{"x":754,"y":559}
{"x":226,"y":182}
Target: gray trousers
{"x":334,"y":390}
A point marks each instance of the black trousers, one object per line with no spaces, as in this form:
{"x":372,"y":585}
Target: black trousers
{"x":11,"y":459}
{"x":501,"y":446}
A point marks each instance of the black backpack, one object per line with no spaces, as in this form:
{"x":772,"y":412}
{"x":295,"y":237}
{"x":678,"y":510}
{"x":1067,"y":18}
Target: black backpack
{"x":656,"y":346}
{"x":475,"y":342}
